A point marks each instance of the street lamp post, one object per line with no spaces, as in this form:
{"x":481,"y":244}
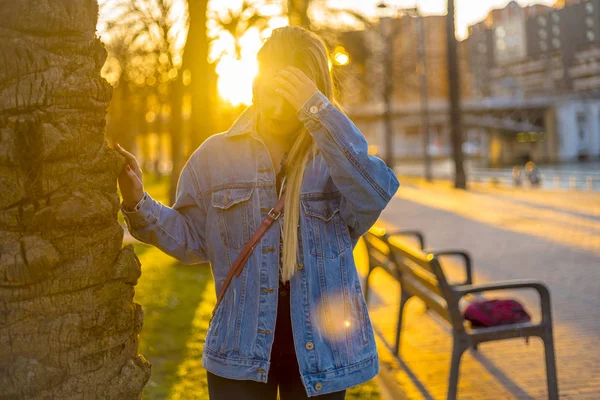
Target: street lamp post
{"x":460,"y":180}
{"x":424,"y":99}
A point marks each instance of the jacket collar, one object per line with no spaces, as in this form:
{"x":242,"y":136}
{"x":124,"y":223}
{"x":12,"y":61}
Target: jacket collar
{"x":243,"y":124}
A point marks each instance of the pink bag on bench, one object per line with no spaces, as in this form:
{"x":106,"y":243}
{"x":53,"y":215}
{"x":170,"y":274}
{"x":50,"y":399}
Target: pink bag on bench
{"x":496,"y":312}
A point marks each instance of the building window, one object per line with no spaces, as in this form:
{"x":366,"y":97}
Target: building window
{"x":412,"y":131}
{"x":556,"y":30}
{"x":543,"y":46}
{"x":591,"y":36}
{"x":542,"y":20}
{"x":581,"y":122}
{"x":589,"y":21}
{"x":589,"y":7}
{"x":543,"y":34}
{"x":556,"y":43}
{"x":500,"y":32}
{"x":555,"y":17}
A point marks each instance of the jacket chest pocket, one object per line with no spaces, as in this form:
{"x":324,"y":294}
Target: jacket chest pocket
{"x":328,"y":234}
{"x":234,"y":215}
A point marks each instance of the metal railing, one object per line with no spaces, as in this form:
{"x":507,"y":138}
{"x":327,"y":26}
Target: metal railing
{"x":550,"y":179}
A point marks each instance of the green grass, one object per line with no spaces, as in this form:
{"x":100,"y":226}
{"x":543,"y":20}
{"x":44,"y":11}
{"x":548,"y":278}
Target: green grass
{"x":157,"y":187}
{"x":177,"y":301}
{"x":171,"y":295}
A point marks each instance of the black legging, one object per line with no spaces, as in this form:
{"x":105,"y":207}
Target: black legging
{"x":283,"y":374}
{"x":288,"y":381}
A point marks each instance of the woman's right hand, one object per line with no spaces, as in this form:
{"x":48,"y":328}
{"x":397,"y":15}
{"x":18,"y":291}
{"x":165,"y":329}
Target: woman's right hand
{"x":130,"y":179}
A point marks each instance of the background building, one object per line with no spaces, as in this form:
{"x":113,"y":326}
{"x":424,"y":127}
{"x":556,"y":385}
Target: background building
{"x":362,"y":82}
{"x":542,"y":52}
{"x":530,"y":79}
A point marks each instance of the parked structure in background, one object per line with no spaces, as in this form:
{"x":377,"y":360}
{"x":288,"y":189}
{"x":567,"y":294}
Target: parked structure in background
{"x":530,"y":80}
{"x":362,"y":85}
{"x":547,"y":59}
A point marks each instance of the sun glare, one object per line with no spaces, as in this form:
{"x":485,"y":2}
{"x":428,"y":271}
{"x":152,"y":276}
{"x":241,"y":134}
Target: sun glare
{"x":235,"y":79}
{"x":236,"y":75}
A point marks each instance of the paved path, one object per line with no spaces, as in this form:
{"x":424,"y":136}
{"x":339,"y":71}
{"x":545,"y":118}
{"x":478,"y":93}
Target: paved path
{"x":553,"y":237}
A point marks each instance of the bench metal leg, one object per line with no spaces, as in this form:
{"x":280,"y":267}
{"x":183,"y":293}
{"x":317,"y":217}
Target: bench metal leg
{"x":550,"y":367}
{"x":404,"y":297}
{"x":367,"y":286}
{"x":458,"y":350}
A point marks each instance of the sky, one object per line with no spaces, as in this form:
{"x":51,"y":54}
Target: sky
{"x":468,"y":12}
{"x":236,"y":75}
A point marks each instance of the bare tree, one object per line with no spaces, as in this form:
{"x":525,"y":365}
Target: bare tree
{"x":116,"y":72}
{"x":236,"y":22}
{"x":203,"y":85}
{"x":144,"y":37}
{"x":68,"y":324}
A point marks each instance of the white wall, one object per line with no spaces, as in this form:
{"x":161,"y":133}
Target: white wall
{"x":570,"y":145}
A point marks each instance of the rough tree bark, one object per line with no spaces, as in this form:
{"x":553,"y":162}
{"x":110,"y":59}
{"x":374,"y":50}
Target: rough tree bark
{"x":68,"y":324}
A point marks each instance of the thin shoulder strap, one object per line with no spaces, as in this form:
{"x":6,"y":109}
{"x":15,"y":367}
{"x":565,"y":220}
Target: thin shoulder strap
{"x":240,"y":262}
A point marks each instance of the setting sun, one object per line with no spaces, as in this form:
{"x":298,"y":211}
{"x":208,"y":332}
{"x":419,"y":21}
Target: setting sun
{"x":236,"y":75}
{"x":235,"y":79}
{"x":237,"y":70}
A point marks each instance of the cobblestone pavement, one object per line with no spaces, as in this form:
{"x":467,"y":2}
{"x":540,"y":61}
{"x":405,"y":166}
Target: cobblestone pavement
{"x":511,"y":234}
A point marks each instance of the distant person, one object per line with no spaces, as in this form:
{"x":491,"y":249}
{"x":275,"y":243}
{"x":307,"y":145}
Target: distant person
{"x":533,"y":174}
{"x":295,"y":319}
{"x":517,"y":176}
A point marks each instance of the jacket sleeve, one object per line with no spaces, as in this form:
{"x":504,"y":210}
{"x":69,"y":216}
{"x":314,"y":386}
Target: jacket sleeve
{"x":366,"y":183}
{"x":177,"y":231}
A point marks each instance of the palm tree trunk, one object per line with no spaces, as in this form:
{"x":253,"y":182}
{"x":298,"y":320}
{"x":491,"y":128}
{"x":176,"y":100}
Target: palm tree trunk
{"x":203,"y":82}
{"x":68,"y":324}
{"x":298,"y":13}
{"x":460,"y":179}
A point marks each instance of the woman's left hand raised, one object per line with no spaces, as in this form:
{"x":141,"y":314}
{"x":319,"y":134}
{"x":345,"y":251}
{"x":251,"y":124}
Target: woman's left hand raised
{"x":295,"y":86}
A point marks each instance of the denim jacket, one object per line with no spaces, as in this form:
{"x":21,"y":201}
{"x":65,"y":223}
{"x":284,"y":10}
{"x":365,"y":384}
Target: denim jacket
{"x":225,"y":190}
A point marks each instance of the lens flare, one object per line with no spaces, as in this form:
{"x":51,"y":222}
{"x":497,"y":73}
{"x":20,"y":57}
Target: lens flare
{"x":335,"y":317}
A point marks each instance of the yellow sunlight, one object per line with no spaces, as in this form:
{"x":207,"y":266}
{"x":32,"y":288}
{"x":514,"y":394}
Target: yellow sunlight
{"x":236,"y":76}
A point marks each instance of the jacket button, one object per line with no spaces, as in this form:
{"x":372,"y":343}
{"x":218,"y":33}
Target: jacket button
{"x":310,"y":346}
{"x":318,"y":386}
{"x":300,"y":266}
{"x":314,"y":109}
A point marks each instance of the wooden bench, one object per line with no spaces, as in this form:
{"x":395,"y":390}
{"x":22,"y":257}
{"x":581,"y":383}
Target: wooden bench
{"x":420,"y":275}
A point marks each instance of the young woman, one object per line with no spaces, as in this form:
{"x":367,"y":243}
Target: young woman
{"x":295,"y":319}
